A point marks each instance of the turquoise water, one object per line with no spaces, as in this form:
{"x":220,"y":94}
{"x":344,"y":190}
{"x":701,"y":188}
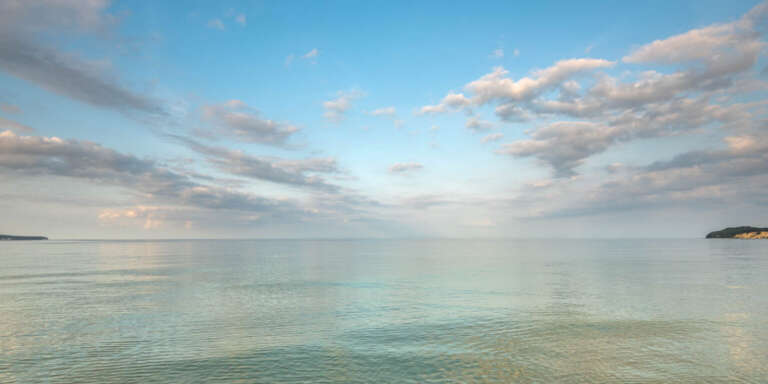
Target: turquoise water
{"x":569,"y":311}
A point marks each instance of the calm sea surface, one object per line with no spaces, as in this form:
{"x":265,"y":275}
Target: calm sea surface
{"x":569,"y":311}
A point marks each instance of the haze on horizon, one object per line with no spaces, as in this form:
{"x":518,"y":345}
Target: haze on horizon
{"x":129,"y":119}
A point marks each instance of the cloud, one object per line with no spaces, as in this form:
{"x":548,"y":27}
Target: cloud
{"x":241,"y":19}
{"x":741,"y":149}
{"x":236,"y":119}
{"x":704,"y":180}
{"x":45,"y":15}
{"x":451,"y":101}
{"x":85,"y":160}
{"x":390,"y":113}
{"x":70,"y":76}
{"x":312,"y":54}
{"x":153,"y":217}
{"x":735,"y":175}
{"x":492,"y":137}
{"x":496,"y":86}
{"x":512,"y":113}
{"x":215,"y":24}
{"x":565,"y":145}
{"x":11,"y":125}
{"x":299,"y":173}
{"x":24,"y":56}
{"x":405,"y":167}
{"x":497,"y":53}
{"x":336,"y":109}
{"x":711,"y":69}
{"x":10,"y":109}
{"x":386,"y":112}
{"x":476,"y":124}
{"x":714,"y":45}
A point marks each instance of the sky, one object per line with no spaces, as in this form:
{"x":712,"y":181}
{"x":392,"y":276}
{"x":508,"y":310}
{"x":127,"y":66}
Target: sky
{"x":341,"y":119}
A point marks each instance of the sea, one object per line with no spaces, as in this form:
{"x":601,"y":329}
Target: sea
{"x":384,"y":311}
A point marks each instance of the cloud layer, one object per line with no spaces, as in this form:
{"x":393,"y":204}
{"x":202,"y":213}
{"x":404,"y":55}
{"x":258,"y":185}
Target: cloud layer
{"x":236,"y":119}
{"x":24,"y":55}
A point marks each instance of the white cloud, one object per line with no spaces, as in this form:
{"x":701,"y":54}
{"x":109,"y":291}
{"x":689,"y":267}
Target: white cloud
{"x":6,"y":124}
{"x":389,"y":113}
{"x":241,"y":19}
{"x":216,"y":24}
{"x":496,"y":86}
{"x":311,"y":55}
{"x":405,"y":167}
{"x":336,"y":109}
{"x":385,"y":111}
{"x":710,"y":44}
{"x":497,"y":53}
{"x":712,"y":69}
{"x":451,"y":101}
{"x":492,"y":137}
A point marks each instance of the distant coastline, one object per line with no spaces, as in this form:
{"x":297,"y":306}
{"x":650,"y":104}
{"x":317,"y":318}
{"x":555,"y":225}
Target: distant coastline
{"x":739,"y":233}
{"x":12,"y":237}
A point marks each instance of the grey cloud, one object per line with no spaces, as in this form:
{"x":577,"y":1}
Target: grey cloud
{"x":566,"y":145}
{"x":22,"y":55}
{"x":492,"y":137}
{"x":713,"y":67}
{"x":6,"y":124}
{"x":512,"y":113}
{"x":10,"y":109}
{"x":563,"y":145}
{"x":44,"y":15}
{"x":737,"y":174}
{"x":476,"y":124}
{"x":423,"y":202}
{"x":300,"y":173}
{"x":168,"y":195}
{"x":741,"y":149}
{"x":236,"y":119}
{"x":51,"y":156}
{"x":69,"y":76}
